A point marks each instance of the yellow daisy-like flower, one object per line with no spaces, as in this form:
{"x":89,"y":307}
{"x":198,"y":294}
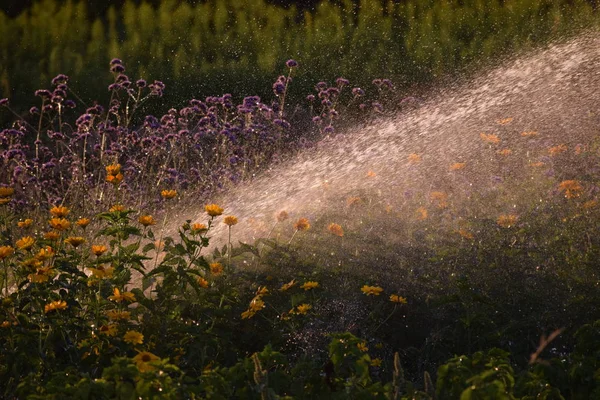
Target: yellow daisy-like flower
{"x":168,"y":194}
{"x":282,"y":216}
{"x":335,"y":229}
{"x":457,"y":166}
{"x":230,"y":220}
{"x":115,"y":315}
{"x":6,"y":251}
{"x":83,"y":222}
{"x":113,"y":169}
{"x":248,"y":314}
{"x":394,"y":298}
{"x":42,"y":275}
{"x":59,"y":224}
{"x":256,"y":304}
{"x":198,"y":228}
{"x":507,"y":221}
{"x":414,"y":158}
{"x":202,"y":282}
{"x":376,"y":362}
{"x":362,"y":346}
{"x":302,"y":224}
{"x":98,"y":249}
{"x":288,"y":285}
{"x":25,"y":223}
{"x":25,"y":243}
{"x":213,"y":210}
{"x":303,"y":308}
{"x":216,"y":268}
{"x":143,"y":359}
{"x":59,"y":211}
{"x":102,"y":272}
{"x":571,"y":188}
{"x":6,"y":192}
{"x":108,"y":330}
{"x":55,"y":305}
{"x":491,"y":138}
{"x":120,"y":297}
{"x":117,"y":208}
{"x":421,"y":213}
{"x":75,"y":241}
{"x":310,"y":285}
{"x":52,"y":235}
{"x":133,"y":337}
{"x":371,"y":290}
{"x":146,"y":220}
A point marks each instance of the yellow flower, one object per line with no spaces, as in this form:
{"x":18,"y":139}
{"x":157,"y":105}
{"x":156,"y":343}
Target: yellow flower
{"x":113,"y":169}
{"x":489,"y":138}
{"x":505,"y":152}
{"x":529,"y":133}
{"x":114,"y":179}
{"x":108,"y":330}
{"x":115,"y":315}
{"x":42,"y":275}
{"x":362,"y":346}
{"x":55,"y":305}
{"x":336,"y":229}
{"x":202,"y":282}
{"x":83,"y":222}
{"x":59,"y":211}
{"x":59,"y":224}
{"x":310,"y":285}
{"x":52,"y":235}
{"x":561,"y":148}
{"x":117,"y":208}
{"x":230,"y":220}
{"x":571,"y":188}
{"x":143,"y":359}
{"x":146,"y":220}
{"x":288,"y":285}
{"x":248,"y":314}
{"x":168,"y":194}
{"x":376,"y":362}
{"x":262,"y":291}
{"x":303,"y":308}
{"x":282,"y":216}
{"x":25,"y":224}
{"x":506,"y":221}
{"x":457,"y":166}
{"x":421,"y":213}
{"x":256,"y":304}
{"x":98,"y":249}
{"x":133,"y":337}
{"x":102,"y":272}
{"x":371,"y":290}
{"x":216,"y":268}
{"x":213,"y":210}
{"x":25,"y":243}
{"x":414,"y":158}
{"x":75,"y":241}
{"x":5,"y":324}
{"x":302,"y":224}
{"x":6,"y":192}
{"x":119,"y":297}
{"x":6,"y":251}
{"x":197,"y":228}
{"x":394,"y":298}
{"x":4,"y":201}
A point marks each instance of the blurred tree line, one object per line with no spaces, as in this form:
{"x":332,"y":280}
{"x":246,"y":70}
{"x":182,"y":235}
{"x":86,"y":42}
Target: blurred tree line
{"x":240,"y":46}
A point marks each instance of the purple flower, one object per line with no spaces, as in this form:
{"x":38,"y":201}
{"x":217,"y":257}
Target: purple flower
{"x":377,"y":82}
{"x":358,"y":92}
{"x":60,"y":79}
{"x":43,"y":93}
{"x":316,"y":119}
{"x":332,"y":91}
{"x":70,"y":104}
{"x":291,"y":63}
{"x":387,"y":83}
{"x":47,"y":107}
{"x":341,"y":82}
{"x":140,"y":83}
{"x":282,"y":123}
{"x":377,"y":107}
{"x":310,"y":97}
{"x":321,"y":86}
{"x":328,"y":130}
{"x":113,"y":86}
{"x":278,"y":88}
{"x":115,"y":61}
{"x":3,"y":102}
{"x":117,"y":69}
{"x":34,"y":110}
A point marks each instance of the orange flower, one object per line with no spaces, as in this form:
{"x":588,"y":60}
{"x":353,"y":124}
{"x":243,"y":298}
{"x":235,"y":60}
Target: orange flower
{"x":114,"y":179}
{"x":197,"y":228}
{"x":120,"y":297}
{"x":302,"y":224}
{"x":216,"y":268}
{"x":52,"y":235}
{"x":202,"y":282}
{"x":98,"y":250}
{"x":336,"y":229}
{"x":507,"y":221}
{"x":491,"y":138}
{"x":394,"y":298}
{"x":25,"y":224}
{"x":371,"y":290}
{"x":75,"y":241}
{"x":45,"y":253}
{"x":25,"y":243}
{"x":113,"y":169}
{"x":117,"y":208}
{"x":457,"y":166}
{"x":362,"y":346}
{"x":504,"y":121}
{"x":230,"y":220}
{"x":571,"y":188}
{"x":6,"y":191}
{"x":414,"y":158}
{"x":168,"y":194}
{"x":371,"y":174}
{"x":6,"y":251}
{"x":59,"y":212}
{"x":310,"y":285}
{"x":55,"y":305}
{"x":561,"y":148}
{"x":83,"y":222}
{"x":146,"y":220}
{"x":102,"y":272}
{"x":213,"y":210}
{"x":288,"y":285}
{"x":59,"y":224}
{"x":303,"y":308}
